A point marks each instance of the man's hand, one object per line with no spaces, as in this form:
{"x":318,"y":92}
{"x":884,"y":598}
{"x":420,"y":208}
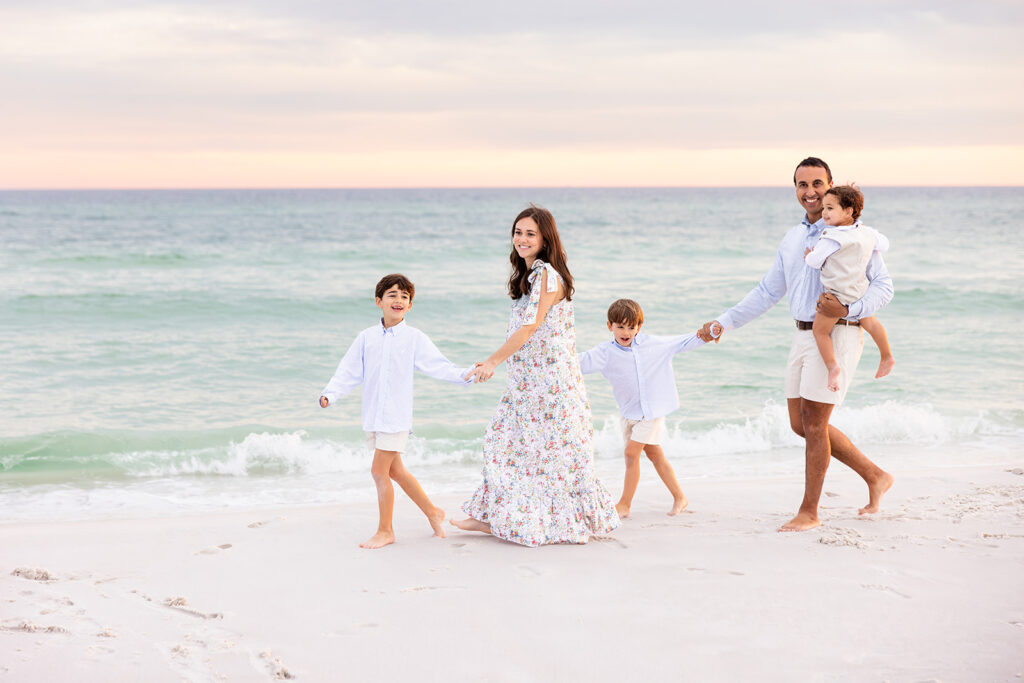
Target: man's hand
{"x":323,"y":402}
{"x":712,"y":331}
{"x":828,"y":305}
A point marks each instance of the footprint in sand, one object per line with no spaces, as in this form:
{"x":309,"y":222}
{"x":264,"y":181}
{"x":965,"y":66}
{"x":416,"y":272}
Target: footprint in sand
{"x":181,"y":605}
{"x":276,"y":667}
{"x":213,"y":551}
{"x":264,"y":522}
{"x":33,"y":574}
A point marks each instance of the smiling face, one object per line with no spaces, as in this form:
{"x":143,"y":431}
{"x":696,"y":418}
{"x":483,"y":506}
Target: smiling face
{"x":623,"y":333}
{"x":394,"y":305}
{"x":811,"y":184}
{"x":834,"y":213}
{"x":526,"y":240}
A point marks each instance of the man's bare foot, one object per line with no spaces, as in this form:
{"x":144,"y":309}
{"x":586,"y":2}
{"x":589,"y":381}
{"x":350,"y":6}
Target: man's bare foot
{"x":833,"y":378}
{"x":379,"y":540}
{"x":435,"y":521}
{"x":678,"y":505}
{"x":876,"y":490}
{"x":802,"y":522}
{"x":885,"y":366}
{"x":470,"y":524}
{"x":622,"y":509}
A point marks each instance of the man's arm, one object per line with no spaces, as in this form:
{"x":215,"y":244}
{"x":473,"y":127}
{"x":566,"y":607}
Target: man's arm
{"x":766,"y":294}
{"x":879,"y":290}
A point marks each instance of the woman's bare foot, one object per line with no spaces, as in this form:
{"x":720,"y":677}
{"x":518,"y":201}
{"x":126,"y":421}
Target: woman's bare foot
{"x":833,"y":378}
{"x":678,"y":505}
{"x":876,"y":490}
{"x":379,"y":540}
{"x":885,"y":366}
{"x":435,"y":521}
{"x":802,"y":522}
{"x":622,"y":509}
{"x":470,"y":524}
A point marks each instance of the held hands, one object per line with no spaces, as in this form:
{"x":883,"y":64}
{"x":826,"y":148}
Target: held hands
{"x":829,"y":305}
{"x":324,"y":402}
{"x":712,"y":331}
{"x":481,"y":372}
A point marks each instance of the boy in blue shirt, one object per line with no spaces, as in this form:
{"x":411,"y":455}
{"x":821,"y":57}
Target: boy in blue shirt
{"x":639,"y":367}
{"x":382,"y":359}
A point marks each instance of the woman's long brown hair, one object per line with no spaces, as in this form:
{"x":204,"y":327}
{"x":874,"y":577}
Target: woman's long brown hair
{"x":551,"y":251}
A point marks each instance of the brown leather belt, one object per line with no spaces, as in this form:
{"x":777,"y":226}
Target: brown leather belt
{"x":804,"y":325}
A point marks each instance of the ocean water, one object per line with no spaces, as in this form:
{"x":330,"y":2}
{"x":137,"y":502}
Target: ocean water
{"x":163,"y":351}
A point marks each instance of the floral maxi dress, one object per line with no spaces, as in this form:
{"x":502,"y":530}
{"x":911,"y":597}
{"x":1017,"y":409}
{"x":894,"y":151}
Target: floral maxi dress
{"x":539,"y":482}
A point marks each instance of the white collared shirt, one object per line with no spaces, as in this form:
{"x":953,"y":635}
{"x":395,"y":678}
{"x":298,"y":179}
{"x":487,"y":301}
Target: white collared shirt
{"x":641,"y":374}
{"x":382,"y":359}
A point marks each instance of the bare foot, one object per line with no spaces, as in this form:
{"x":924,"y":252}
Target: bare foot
{"x":802,"y":522}
{"x":885,"y":366}
{"x":622,"y":509}
{"x":833,"y":378}
{"x":435,"y":521}
{"x":678,"y":505}
{"x":876,"y":490}
{"x":470,"y":524}
{"x":379,"y":540}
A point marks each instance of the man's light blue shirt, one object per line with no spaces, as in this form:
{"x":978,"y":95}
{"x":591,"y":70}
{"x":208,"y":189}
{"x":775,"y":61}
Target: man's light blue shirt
{"x":641,"y":374}
{"x":382,"y":359}
{"x":790,"y":274}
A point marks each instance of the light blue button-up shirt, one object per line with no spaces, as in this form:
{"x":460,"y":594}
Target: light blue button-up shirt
{"x":790,"y":274}
{"x":382,"y":359}
{"x":641,"y":374}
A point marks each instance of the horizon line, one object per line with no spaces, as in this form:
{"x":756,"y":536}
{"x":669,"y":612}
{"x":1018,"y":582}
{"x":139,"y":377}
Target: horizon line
{"x":467,"y":187}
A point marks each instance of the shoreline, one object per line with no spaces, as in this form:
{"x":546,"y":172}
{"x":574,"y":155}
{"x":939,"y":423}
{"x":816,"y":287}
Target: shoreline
{"x":930,"y":587}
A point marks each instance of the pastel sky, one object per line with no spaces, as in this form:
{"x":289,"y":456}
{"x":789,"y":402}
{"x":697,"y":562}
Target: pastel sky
{"x":309,"y":93}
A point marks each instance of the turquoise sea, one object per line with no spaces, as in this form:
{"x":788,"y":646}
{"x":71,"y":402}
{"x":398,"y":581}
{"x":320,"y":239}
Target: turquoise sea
{"x":163,"y":351}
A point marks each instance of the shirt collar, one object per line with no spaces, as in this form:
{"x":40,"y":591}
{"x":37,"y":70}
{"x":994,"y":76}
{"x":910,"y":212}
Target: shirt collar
{"x":630,"y":347}
{"x":391,"y":330}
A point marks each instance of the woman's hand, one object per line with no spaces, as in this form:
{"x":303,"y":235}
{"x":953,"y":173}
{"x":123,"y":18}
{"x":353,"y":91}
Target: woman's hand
{"x":481,"y":372}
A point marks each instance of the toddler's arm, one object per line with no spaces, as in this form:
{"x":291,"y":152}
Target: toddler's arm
{"x":825,"y":248}
{"x":347,"y":377}
{"x":430,"y":361}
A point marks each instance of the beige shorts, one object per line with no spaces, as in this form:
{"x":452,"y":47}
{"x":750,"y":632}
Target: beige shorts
{"x":806,"y":374}
{"x":387,"y":441}
{"x":643,"y":431}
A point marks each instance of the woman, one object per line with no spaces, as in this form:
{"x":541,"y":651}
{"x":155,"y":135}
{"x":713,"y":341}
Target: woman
{"x":539,"y":483}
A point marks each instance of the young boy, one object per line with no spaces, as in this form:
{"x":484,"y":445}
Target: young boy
{"x":842,"y":254}
{"x":639,"y":367}
{"x":382,"y":359}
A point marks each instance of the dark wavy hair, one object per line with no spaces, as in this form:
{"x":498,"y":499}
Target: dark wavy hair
{"x":551,"y":251}
{"x":813,"y":162}
{"x":849,"y":198}
{"x":389,"y":281}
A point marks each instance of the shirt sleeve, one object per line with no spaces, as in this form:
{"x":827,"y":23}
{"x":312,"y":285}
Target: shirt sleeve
{"x":592,"y":360}
{"x":879,"y":290}
{"x":826,"y":247}
{"x":430,"y":361}
{"x":535,"y":278}
{"x":881,"y":242}
{"x":686,"y":342}
{"x":762,"y":297}
{"x":349,"y":374}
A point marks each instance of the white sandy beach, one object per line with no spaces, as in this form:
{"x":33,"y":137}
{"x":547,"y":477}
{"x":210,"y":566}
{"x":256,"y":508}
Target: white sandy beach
{"x":932,"y":588}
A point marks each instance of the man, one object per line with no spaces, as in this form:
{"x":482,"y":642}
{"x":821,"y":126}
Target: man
{"x":808,"y":399}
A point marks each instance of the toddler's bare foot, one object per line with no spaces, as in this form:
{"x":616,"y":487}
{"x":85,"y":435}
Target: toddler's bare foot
{"x":678,"y":505}
{"x":802,"y":522}
{"x":622,"y":509}
{"x":470,"y":524}
{"x":833,"y":378}
{"x":435,"y":521}
{"x":379,"y":540}
{"x":876,"y":490}
{"x":885,"y":366}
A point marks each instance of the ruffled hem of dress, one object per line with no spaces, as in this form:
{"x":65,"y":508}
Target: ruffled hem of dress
{"x":591,"y":513}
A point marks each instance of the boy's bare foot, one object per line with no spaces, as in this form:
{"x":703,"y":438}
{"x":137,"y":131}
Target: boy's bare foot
{"x":622,"y":509}
{"x":885,"y":366}
{"x":833,"y":378}
{"x":678,"y":505}
{"x":876,"y":490}
{"x":802,"y":522}
{"x":435,"y":521}
{"x":379,"y":540}
{"x":470,"y":524}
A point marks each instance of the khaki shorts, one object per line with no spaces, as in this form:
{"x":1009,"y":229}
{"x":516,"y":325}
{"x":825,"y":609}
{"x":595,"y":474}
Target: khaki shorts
{"x":806,"y":374}
{"x":643,"y":431}
{"x":387,"y":441}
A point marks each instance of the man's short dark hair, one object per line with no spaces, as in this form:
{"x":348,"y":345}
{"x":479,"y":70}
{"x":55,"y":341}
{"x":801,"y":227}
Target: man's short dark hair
{"x":626,"y":312}
{"x":389,"y":281}
{"x":815,"y":162}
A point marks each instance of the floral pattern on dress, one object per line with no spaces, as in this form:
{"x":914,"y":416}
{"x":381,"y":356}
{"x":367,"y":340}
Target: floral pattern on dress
{"x":539,"y":484}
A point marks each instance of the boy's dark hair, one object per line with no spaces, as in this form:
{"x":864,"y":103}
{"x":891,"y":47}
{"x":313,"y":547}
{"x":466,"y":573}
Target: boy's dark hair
{"x":849,"y":198}
{"x":389,"y":281}
{"x":815,"y":162}
{"x":626,"y":312}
